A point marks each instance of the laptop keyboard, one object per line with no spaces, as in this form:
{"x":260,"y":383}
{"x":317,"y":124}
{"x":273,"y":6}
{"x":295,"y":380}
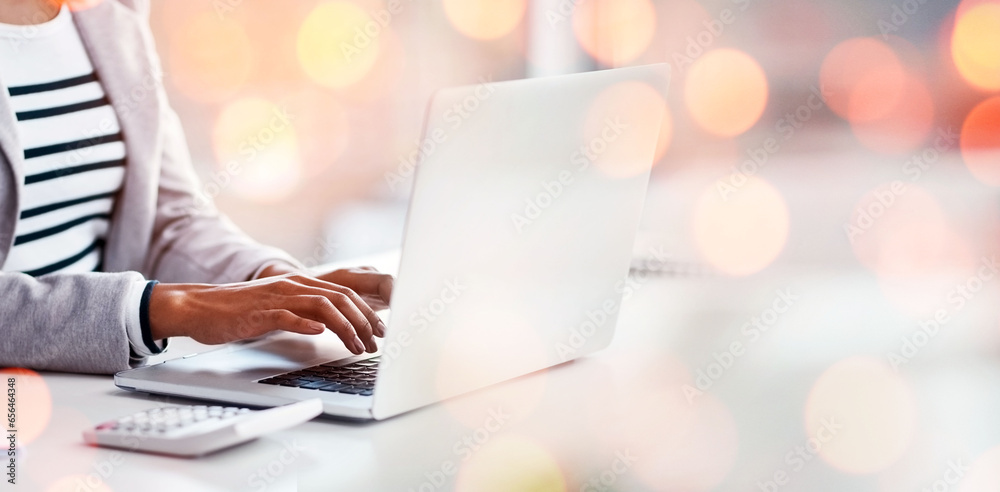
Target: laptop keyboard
{"x":356,"y":378}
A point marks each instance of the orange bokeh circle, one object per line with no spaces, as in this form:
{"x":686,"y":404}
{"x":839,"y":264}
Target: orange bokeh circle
{"x":726,"y":92}
{"x":614,"y":32}
{"x":980,"y":141}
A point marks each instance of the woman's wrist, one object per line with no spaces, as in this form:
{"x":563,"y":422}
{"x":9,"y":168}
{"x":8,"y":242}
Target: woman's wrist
{"x":168,"y":306}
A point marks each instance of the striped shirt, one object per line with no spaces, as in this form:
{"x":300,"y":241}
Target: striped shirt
{"x":74,"y":157}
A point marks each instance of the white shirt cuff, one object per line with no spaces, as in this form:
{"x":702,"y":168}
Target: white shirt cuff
{"x":260,"y":270}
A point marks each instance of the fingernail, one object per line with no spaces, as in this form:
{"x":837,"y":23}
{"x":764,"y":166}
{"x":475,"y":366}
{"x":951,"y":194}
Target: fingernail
{"x":359,"y":347}
{"x":380,"y":328}
{"x":318,"y":327}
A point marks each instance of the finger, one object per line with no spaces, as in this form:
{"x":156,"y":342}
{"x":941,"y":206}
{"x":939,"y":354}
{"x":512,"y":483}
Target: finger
{"x":363,"y":326}
{"x":377,"y":327}
{"x":283,"y":319}
{"x":375,"y":302}
{"x":321,"y":308}
{"x":385,"y":288}
{"x":363,"y":281}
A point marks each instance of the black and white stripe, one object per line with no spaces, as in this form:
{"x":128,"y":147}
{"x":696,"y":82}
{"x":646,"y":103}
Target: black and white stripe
{"x":74,"y":159}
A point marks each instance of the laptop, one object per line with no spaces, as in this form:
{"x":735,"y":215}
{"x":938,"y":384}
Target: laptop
{"x":518,"y":240}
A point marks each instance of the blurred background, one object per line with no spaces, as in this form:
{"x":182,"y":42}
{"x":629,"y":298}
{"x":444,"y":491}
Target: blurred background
{"x":843,"y":90}
{"x":842,"y":156}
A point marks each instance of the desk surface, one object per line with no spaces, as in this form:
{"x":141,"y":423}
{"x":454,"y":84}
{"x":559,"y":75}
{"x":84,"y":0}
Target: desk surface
{"x":781,"y":380}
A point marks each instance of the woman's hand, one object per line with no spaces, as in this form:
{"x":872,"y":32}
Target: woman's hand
{"x":298,"y":303}
{"x":373,"y":286}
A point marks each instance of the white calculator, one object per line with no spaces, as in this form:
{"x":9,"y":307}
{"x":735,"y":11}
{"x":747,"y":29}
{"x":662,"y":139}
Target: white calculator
{"x":196,"y":430}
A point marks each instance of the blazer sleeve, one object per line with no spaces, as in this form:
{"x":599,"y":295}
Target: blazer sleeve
{"x":66,"y":322}
{"x":192,"y":241}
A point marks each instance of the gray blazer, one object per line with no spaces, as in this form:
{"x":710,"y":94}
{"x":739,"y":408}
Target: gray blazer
{"x":161,"y":228}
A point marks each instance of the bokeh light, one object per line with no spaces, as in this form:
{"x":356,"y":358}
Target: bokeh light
{"x":338,"y":44}
{"x":614,"y":32}
{"x":210,"y":60}
{"x":897,"y":129}
{"x":78,"y":5}
{"x":900,"y":232}
{"x":642,"y":113}
{"x":471,"y":356}
{"x":666,"y":135}
{"x":322,"y":129}
{"x":511,"y":462}
{"x":975,"y":45}
{"x":861,"y":414}
{"x":678,"y":26}
{"x":984,"y":474}
{"x":384,"y":76}
{"x":692,"y":449}
{"x":75,"y":483}
{"x":34,"y":403}
{"x":61,"y":443}
{"x":641,"y":383}
{"x":893,"y":229}
{"x":683,"y":439}
{"x":256,"y":150}
{"x":980,"y":141}
{"x":485,"y":19}
{"x":862,"y":79}
{"x":726,"y":92}
{"x":743,"y":230}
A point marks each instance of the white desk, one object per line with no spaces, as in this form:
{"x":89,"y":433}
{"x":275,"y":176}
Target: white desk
{"x":622,"y":414}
